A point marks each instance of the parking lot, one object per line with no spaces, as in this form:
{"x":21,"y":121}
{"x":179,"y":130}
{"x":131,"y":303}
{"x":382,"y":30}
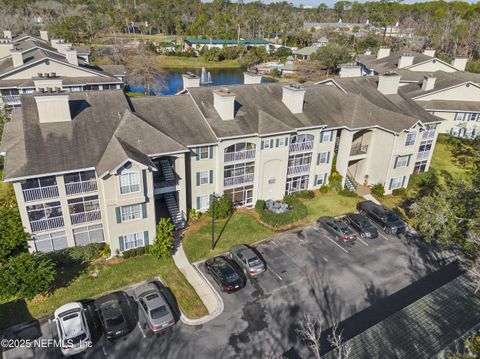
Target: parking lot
{"x":308,"y":272}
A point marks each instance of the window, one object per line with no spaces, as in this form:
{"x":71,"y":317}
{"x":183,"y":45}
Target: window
{"x":203,"y":202}
{"x":410,"y":141}
{"x":50,"y":241}
{"x":323,"y":157}
{"x":326,"y":136}
{"x":133,"y":240}
{"x":79,"y":177}
{"x":130,"y":213}
{"x":402,"y":161}
{"x":203,"y":153}
{"x":44,"y":211}
{"x":460,"y":116}
{"x":238,"y":147}
{"x":129,"y":182}
{"x":267,"y":144}
{"x":204,"y":177}
{"x":80,"y":182}
{"x":88,"y":234}
{"x":397,"y":182}
{"x":296,"y":184}
{"x":420,"y":166}
{"x":239,"y":169}
{"x":321,"y":179}
{"x":299,"y":160}
{"x":455,"y":131}
{"x":241,"y":196}
{"x":425,"y":146}
{"x":473,"y":116}
{"x":302,"y":138}
{"x":41,"y":182}
{"x":83,"y":204}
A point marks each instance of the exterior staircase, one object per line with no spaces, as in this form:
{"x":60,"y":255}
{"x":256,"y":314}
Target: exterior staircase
{"x":167,"y":170}
{"x":350,"y":182}
{"x":177,"y":217}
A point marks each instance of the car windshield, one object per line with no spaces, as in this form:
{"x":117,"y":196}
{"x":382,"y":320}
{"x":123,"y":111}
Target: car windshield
{"x":254,"y":261}
{"x":114,"y":321}
{"x":391,"y":217}
{"x":149,"y":297}
{"x":78,"y":338}
{"x":159,"y":312}
{"x":345,"y":230}
{"x":230,"y":276}
{"x":365,"y":224}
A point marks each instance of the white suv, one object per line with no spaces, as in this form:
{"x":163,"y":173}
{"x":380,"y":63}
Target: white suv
{"x":72,"y":327}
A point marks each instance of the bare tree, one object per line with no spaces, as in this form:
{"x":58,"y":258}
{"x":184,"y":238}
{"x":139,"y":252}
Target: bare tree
{"x":341,"y":347}
{"x":310,"y":331}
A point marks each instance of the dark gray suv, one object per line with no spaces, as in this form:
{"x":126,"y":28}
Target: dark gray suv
{"x":384,"y":217}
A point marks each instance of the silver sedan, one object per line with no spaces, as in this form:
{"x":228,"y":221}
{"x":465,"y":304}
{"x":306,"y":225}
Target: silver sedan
{"x":248,"y":260}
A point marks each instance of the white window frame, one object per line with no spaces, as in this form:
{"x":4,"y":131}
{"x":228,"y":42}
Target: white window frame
{"x":131,"y":185}
{"x":459,"y":116}
{"x":321,"y":179}
{"x":402,"y":161}
{"x":204,"y":175}
{"x":204,"y":202}
{"x":324,"y":158}
{"x":409,"y":141}
{"x":137,"y":239}
{"x":266,"y":144}
{"x":396,"y":182}
{"x":88,"y":230}
{"x":131,"y":213}
{"x":200,"y":156}
{"x":326,"y":136}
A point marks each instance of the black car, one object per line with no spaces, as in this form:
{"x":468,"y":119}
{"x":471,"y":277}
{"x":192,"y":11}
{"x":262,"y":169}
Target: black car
{"x":338,"y":228}
{"x":362,"y":225}
{"x":226,"y":273}
{"x":115,"y":315}
{"x":384,"y":217}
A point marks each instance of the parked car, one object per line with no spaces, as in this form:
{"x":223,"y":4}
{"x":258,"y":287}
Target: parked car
{"x":248,"y":260}
{"x":226,"y":273}
{"x":338,"y":228}
{"x":362,"y":225}
{"x":72,"y":327}
{"x":112,"y":310}
{"x":384,"y":217}
{"x":154,"y":307}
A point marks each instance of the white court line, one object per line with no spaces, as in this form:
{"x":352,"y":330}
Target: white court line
{"x":362,"y":241}
{"x":338,"y":245}
{"x":275,"y":273}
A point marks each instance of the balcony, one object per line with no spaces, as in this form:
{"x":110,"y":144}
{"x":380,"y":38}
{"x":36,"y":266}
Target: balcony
{"x":83,"y":217}
{"x":81,"y":187}
{"x":46,"y":223}
{"x":11,"y":100}
{"x":423,"y":155}
{"x":358,"y":149}
{"x":294,"y":170}
{"x":428,"y":134}
{"x":237,"y":180}
{"x":301,"y":146}
{"x":239,"y":156}
{"x":35,"y":194}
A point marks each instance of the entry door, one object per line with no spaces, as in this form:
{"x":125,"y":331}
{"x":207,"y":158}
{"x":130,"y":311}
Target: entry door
{"x":248,"y":196}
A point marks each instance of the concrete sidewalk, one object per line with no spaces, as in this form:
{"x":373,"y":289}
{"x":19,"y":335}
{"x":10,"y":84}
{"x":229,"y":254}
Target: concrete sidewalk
{"x":208,"y":295}
{"x":369,"y":197}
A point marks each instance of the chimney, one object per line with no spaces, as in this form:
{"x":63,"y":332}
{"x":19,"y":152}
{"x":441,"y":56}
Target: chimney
{"x":55,"y":43}
{"x":388,"y":83}
{"x":43,"y":83}
{"x":406,"y":59}
{"x":190,"y":80}
{"x":350,"y":70}
{"x":44,"y":35}
{"x":71,"y":55}
{"x":17,"y":57}
{"x":293,"y":96}
{"x":224,"y":103}
{"x":459,"y":63}
{"x":428,"y":83}
{"x":383,"y":52}
{"x":53,"y":107}
{"x":7,"y":34}
{"x":250,"y":78}
{"x":5,"y":47}
{"x":62,"y":47}
{"x":429,"y":52}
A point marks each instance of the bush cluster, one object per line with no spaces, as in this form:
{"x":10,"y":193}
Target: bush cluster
{"x":378,"y":190}
{"x":193,"y":214}
{"x":347,"y":193}
{"x":136,"y":252}
{"x":297,"y":212}
{"x":400,"y":192}
{"x":324,"y":189}
{"x":76,"y":255}
{"x":223,"y":207}
{"x":307,"y":194}
{"x":260,"y":206}
{"x":164,"y":242}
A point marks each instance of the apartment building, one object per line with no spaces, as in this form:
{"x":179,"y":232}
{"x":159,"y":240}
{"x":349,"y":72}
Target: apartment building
{"x":27,"y":59}
{"x":93,"y":167}
{"x":444,"y":90}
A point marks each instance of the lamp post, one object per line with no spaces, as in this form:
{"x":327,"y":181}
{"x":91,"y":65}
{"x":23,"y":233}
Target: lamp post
{"x":214,"y":197}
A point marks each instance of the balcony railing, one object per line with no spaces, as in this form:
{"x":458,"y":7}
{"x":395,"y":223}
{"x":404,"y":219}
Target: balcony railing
{"x":293,"y":170}
{"x":81,"y":187}
{"x":428,"y":134}
{"x":239,"y":156}
{"x":11,"y":100}
{"x":46,"y":223}
{"x":83,"y":217}
{"x":233,"y":181}
{"x":35,"y":194}
{"x":301,"y":146}
{"x":358,"y":149}
{"x":423,"y":155}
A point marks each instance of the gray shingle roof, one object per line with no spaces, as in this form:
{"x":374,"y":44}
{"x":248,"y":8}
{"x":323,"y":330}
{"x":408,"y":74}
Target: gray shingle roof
{"x":450,"y":105}
{"x":389,"y":63}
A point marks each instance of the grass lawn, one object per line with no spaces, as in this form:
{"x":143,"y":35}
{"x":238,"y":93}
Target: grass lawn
{"x":241,"y":228}
{"x":109,"y":277}
{"x":330,"y":204}
{"x":442,"y":161}
{"x":177,"y":62}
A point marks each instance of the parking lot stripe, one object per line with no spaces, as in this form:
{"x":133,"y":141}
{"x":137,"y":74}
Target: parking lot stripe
{"x":380,"y":234}
{"x":275,"y":273}
{"x":362,"y":241}
{"x":338,"y":245}
{"x":325,"y":259}
{"x":285,"y":254}
{"x":141,"y":330}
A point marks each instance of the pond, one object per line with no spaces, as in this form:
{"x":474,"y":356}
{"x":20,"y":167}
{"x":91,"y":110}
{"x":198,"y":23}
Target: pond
{"x":170,"y":81}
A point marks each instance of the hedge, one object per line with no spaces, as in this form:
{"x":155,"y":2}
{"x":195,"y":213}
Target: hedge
{"x":297,"y":212}
{"x":136,"y":252}
{"x":75,"y":255}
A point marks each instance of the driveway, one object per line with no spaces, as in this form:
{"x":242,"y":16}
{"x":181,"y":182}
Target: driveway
{"x":308,"y":273}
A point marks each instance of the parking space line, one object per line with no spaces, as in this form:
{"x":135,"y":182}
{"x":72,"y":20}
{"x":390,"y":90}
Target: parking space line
{"x":338,"y":245}
{"x":362,"y":241}
{"x":380,"y":234}
{"x":141,"y":330}
{"x":325,"y":259}
{"x":285,"y":254}
{"x":275,"y":273}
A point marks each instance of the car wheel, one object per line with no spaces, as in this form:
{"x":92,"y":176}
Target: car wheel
{"x":362,"y":235}
{"x":230,"y":255}
{"x":387,"y":230}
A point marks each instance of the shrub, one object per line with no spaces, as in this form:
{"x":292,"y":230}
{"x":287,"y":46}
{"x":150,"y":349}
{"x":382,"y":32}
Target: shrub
{"x":163,"y":245}
{"x":378,"y":190}
{"x":399,"y":192}
{"x":26,"y":275}
{"x":335,"y":181}
{"x":260,"y":206}
{"x":76,"y":255}
{"x":347,"y":193}
{"x":136,"y":252}
{"x":305,"y":194}
{"x":297,"y":212}
{"x":106,"y":252}
{"x":193,"y":214}
{"x":324,"y":189}
{"x":223,"y":207}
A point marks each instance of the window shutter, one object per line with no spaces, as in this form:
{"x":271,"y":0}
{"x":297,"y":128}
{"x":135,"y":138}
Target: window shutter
{"x":210,"y":152}
{"x":318,"y":159}
{"x":261,"y":145}
{"x":198,"y":203}
{"x":119,"y":214}
{"x":408,"y":160}
{"x":198,"y":178}
{"x":145,"y":238}
{"x":210,"y":199}
{"x":121,"y":244}
{"x":315,"y":182}
{"x":197,"y":153}
{"x":403,"y":181}
{"x":396,"y":162}
{"x":144,"y":210}
{"x":324,"y":178}
{"x":271,"y":143}
{"x":211,"y":176}
{"x":277,"y":144}
{"x":328,"y":157}
{"x":321,"y":137}
{"x":391,"y":182}
{"x":286,"y":141}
